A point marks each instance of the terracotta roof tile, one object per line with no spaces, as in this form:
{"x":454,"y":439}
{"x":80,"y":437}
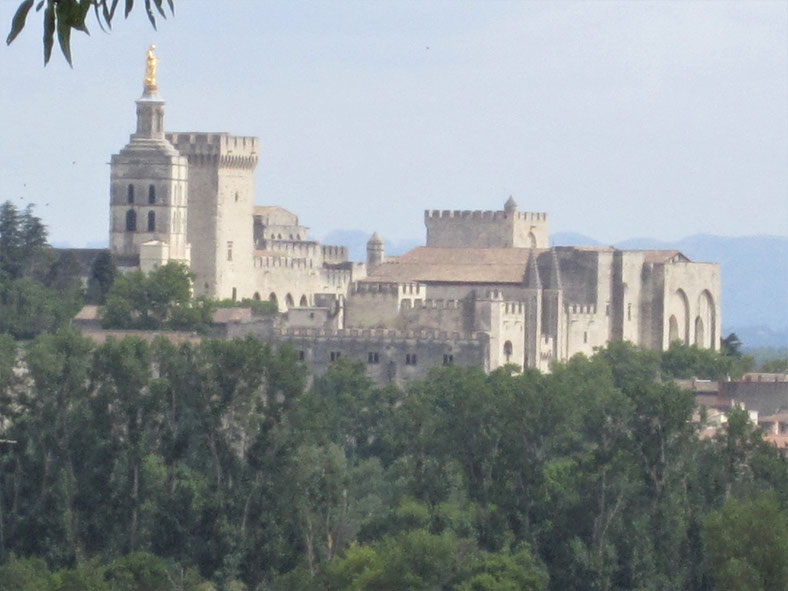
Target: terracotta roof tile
{"x":456,"y":265}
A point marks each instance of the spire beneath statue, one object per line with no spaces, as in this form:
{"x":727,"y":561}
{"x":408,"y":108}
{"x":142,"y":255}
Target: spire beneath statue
{"x":150,"y":107}
{"x":150,"y":88}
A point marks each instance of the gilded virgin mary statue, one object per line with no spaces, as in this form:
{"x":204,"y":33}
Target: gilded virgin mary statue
{"x":150,"y":71}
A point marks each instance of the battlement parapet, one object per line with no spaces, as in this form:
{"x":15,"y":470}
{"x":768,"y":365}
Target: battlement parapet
{"x":336,"y":277}
{"x":581,"y":309}
{"x":379,"y":334}
{"x":222,"y":142}
{"x":532,"y":216}
{"x":410,"y":289}
{"x":493,"y":294}
{"x":432,"y":304}
{"x":331,"y":252}
{"x":436,"y":214}
{"x":376,"y":288}
{"x":270,"y":262}
{"x":222,"y":149}
{"x":514,"y":308}
{"x":294,"y":247}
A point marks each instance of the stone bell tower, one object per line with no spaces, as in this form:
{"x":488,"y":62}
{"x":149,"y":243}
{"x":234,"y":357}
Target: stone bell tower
{"x":148,"y":187}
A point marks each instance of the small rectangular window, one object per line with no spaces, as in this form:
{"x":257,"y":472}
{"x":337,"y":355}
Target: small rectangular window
{"x":334,"y":355}
{"x":629,"y":311}
{"x":585,"y":337}
{"x":373,"y":357}
{"x":448,"y":359}
{"x":410,"y":359}
{"x":229,"y":250}
{"x":301,"y":355}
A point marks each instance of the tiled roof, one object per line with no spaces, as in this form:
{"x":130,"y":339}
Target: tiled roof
{"x":456,"y":265}
{"x":662,"y":256}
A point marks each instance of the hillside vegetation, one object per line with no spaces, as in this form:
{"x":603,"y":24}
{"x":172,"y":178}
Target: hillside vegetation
{"x":214,"y":466}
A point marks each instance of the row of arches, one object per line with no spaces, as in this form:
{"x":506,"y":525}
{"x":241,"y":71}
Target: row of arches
{"x":136,"y":194}
{"x":289,"y":300}
{"x":131,"y":221}
{"x":692,"y":325}
{"x":151,"y":194}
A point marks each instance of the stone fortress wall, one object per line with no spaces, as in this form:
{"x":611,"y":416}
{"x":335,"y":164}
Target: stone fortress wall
{"x":191,"y":197}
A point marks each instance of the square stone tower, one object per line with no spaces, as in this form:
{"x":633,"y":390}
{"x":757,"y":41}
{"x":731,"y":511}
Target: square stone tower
{"x":487,"y":229}
{"x":148,"y":188}
{"x":221,"y":209}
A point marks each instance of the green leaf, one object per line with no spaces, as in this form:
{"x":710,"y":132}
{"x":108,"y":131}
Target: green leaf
{"x":63,"y":14}
{"x":151,"y":16}
{"x":158,"y":4}
{"x":99,"y":14}
{"x":18,"y":22}
{"x":49,"y":32}
{"x":111,"y":11}
{"x":79,"y":14}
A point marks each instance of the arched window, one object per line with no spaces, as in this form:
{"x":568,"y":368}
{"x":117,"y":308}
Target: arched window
{"x":507,"y":350}
{"x":273,"y":300}
{"x":151,"y":194}
{"x":289,"y":301}
{"x":130,"y":193}
{"x":151,"y":221}
{"x":131,"y":221}
{"x":303,"y":303}
{"x":673,"y":329}
{"x":256,"y":296}
{"x":700,"y":341}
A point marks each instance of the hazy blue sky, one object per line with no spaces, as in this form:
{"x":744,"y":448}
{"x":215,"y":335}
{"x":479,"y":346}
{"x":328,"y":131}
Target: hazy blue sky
{"x":619,"y":119}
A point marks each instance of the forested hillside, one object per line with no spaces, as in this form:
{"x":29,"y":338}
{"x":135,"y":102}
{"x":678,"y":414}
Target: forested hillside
{"x":149,"y":466}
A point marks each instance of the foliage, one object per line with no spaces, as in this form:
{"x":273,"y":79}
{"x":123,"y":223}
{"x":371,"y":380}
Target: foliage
{"x":689,"y":361}
{"x":39,"y":289}
{"x":65,"y":16}
{"x":775,"y":366}
{"x":214,"y":466}
{"x":160,"y":300}
{"x":748,"y":545}
{"x":102,"y":276}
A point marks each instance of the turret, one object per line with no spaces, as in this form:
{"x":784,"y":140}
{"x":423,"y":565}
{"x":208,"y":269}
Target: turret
{"x":375,"y":252}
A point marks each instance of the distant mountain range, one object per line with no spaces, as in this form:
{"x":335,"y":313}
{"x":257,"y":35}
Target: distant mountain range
{"x":754,"y":274}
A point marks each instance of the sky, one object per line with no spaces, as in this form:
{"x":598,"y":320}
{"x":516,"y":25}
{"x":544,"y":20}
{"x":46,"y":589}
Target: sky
{"x":618,"y":119}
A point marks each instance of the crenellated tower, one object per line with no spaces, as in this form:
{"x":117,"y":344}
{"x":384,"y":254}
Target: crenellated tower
{"x":487,"y":229}
{"x":221,"y":211}
{"x":149,"y":188}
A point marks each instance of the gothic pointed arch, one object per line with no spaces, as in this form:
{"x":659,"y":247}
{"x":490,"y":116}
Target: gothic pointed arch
{"x":131,"y":221}
{"x":304,"y":302}
{"x":699,"y":332}
{"x":678,"y":308}
{"x":707,"y":315}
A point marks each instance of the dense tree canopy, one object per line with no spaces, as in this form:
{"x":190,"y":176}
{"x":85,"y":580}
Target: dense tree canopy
{"x":216,"y":466}
{"x":40,"y":289}
{"x":161,"y":299}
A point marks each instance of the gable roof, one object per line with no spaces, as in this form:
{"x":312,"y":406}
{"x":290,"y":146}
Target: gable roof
{"x":456,"y":265}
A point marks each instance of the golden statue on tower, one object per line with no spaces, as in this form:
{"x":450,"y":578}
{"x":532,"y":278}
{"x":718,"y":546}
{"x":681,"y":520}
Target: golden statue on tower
{"x":150,"y":71}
